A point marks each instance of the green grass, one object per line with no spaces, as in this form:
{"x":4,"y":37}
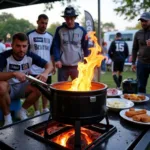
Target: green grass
{"x":104,"y":78}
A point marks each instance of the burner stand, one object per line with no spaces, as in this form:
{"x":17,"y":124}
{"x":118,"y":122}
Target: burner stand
{"x":106,"y":129}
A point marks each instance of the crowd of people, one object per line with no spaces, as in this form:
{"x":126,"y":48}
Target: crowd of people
{"x":38,"y":53}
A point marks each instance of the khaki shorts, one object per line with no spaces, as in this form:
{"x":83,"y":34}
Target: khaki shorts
{"x":17,"y":91}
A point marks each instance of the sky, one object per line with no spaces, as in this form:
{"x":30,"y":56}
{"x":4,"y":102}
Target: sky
{"x":107,"y":13}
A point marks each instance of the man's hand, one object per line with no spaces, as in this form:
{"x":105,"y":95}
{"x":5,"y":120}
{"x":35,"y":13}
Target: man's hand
{"x":58,"y":64}
{"x":133,"y":68}
{"x":20,"y":76}
{"x":54,"y":70}
{"x":43,"y":77}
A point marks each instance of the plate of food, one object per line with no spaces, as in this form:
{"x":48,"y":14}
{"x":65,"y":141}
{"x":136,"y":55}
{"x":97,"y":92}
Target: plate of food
{"x":138,"y":116}
{"x":118,"y":104}
{"x":112,"y":92}
{"x":136,"y":98}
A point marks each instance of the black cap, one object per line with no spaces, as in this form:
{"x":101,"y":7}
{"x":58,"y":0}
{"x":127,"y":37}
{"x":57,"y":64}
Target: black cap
{"x":69,"y":12}
{"x":118,"y":34}
{"x":145,"y":16}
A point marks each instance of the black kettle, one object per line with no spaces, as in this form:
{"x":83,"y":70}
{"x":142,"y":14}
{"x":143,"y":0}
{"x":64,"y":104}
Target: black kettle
{"x":130,"y":86}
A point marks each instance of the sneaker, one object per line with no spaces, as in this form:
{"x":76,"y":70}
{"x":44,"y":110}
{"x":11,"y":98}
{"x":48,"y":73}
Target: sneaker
{"x":7,"y":122}
{"x":22,"y":114}
{"x":118,"y":88}
{"x":45,"y":110}
{"x":102,"y":72}
{"x":37,"y":112}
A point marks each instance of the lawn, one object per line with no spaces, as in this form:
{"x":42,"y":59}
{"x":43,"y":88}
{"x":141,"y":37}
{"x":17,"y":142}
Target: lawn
{"x":104,"y":78}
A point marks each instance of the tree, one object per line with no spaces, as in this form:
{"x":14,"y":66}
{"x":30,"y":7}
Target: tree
{"x":49,"y":6}
{"x":13,"y":25}
{"x":138,"y":26}
{"x":132,"y":8}
{"x":53,"y":27}
{"x":5,"y":16}
{"x":108,"y":26}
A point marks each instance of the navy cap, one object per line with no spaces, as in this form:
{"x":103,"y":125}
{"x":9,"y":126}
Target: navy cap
{"x":69,"y":12}
{"x":145,"y":16}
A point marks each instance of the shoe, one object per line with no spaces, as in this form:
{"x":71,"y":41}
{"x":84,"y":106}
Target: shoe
{"x":118,"y":88}
{"x":37,"y":112}
{"x":45,"y":110}
{"x":102,"y":72}
{"x":22,"y":114}
{"x":7,"y":122}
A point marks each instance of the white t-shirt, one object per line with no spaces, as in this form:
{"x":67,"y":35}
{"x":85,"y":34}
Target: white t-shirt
{"x":2,"y":47}
{"x":40,"y":44}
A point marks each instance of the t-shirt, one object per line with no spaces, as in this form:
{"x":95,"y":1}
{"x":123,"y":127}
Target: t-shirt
{"x":9,"y":64}
{"x":40,"y":44}
{"x":2,"y":47}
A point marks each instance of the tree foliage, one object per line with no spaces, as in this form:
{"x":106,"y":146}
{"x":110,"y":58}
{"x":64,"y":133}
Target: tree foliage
{"x":4,"y":17}
{"x":137,"y":26}
{"x":12,"y":25}
{"x":53,"y":27}
{"x":108,"y":26}
{"x":132,"y":8}
{"x":49,"y":6}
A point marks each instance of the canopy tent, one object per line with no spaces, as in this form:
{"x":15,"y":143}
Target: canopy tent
{"x":16,"y":3}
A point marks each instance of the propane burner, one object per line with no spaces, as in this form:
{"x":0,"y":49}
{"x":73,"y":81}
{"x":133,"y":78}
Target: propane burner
{"x":68,"y":137}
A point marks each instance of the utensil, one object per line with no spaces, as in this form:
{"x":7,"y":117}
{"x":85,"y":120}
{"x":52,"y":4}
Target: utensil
{"x":33,"y":79}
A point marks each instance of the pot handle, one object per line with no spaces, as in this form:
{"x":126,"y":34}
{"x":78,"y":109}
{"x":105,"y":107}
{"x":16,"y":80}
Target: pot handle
{"x":44,"y":90}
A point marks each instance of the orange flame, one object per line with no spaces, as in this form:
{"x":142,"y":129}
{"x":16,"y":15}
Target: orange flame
{"x":63,"y":138}
{"x":86,"y":70}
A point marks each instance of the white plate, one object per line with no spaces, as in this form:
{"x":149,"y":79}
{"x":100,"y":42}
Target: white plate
{"x":118,"y":104}
{"x":122,"y":114}
{"x":136,"y":101}
{"x":119,"y":92}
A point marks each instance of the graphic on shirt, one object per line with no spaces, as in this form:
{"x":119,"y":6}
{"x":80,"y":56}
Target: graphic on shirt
{"x":71,"y":38}
{"x":40,"y":44}
{"x":25,"y":66}
{"x":119,"y":47}
{"x":14,"y":67}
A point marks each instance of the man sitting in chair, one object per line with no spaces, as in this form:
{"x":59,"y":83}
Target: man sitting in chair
{"x":14,"y":65}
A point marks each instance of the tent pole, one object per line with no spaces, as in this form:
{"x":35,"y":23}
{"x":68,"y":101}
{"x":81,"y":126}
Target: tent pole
{"x":99,"y":36}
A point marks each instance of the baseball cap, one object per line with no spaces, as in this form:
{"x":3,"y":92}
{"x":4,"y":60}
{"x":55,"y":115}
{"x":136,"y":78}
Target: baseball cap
{"x":145,"y":16}
{"x":69,"y":12}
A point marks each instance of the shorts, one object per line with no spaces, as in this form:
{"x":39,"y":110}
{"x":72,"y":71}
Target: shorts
{"x":117,"y":66}
{"x":49,"y":79}
{"x":17,"y":91}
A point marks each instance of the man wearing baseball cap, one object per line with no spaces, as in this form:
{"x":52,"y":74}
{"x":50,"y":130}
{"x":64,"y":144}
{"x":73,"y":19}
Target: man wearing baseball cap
{"x":141,"y":52}
{"x":145,"y":16}
{"x":69,"y":46}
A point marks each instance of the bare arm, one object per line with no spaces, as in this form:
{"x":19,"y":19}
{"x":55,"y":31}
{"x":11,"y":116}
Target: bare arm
{"x":4,"y":76}
{"x":53,"y":62}
{"x":48,"y":69}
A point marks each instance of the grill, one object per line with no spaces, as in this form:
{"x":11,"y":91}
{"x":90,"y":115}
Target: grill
{"x":73,"y":123}
{"x":71,"y":137}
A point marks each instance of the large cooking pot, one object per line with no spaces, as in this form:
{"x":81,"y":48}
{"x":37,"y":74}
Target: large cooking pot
{"x":68,"y":106}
